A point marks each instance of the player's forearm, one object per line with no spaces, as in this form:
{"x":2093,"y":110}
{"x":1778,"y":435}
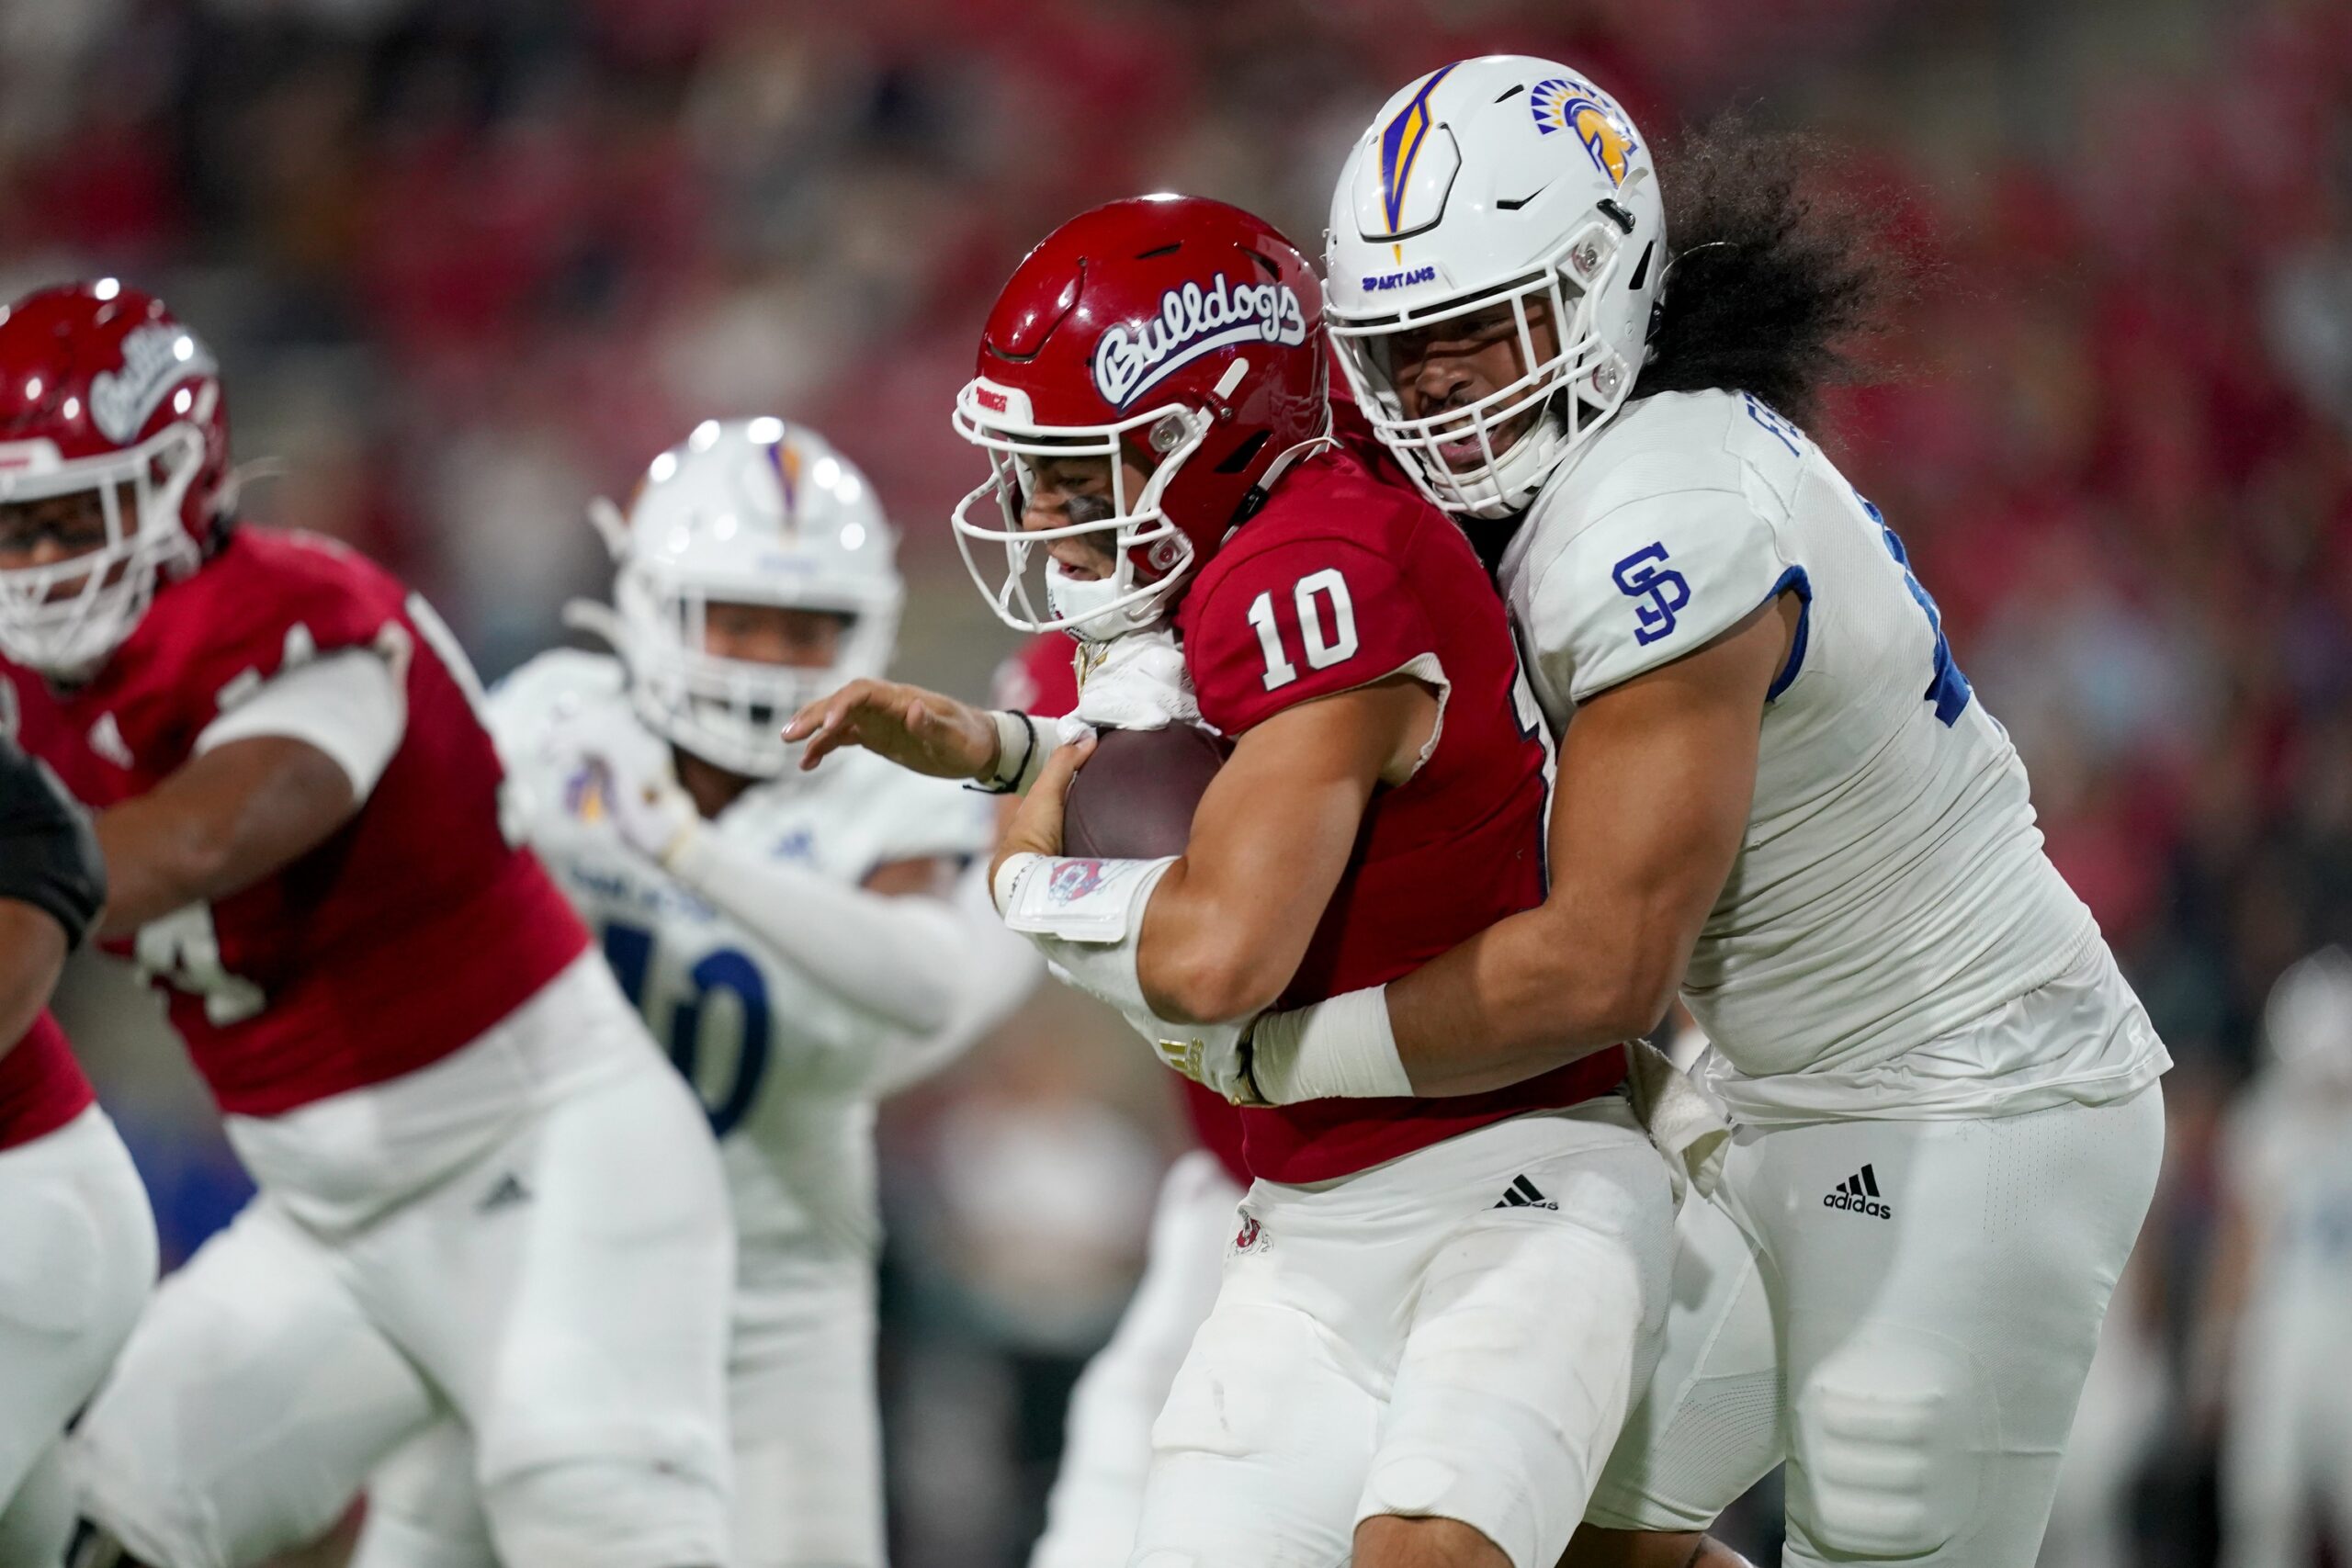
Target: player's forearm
{"x":904,"y":960}
{"x":1533,"y":993}
{"x":1207,"y":959}
{"x":229,"y":817}
{"x":32,"y":949}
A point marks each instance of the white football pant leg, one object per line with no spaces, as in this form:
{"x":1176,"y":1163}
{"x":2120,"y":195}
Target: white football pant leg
{"x":1935,"y":1354}
{"x":807,"y":1418}
{"x":1106,"y":1449}
{"x":251,"y":1403}
{"x":1930,"y":1356}
{"x":1432,"y":1338}
{"x":2287,"y":1449}
{"x":424,"y":1509}
{"x":77,"y":1264}
{"x":567,"y":1294}
{"x":1707,"y":1426}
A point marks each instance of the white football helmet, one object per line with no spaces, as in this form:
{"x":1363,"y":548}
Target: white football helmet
{"x":1498,"y":181}
{"x":747,"y":511}
{"x":2308,"y":1021}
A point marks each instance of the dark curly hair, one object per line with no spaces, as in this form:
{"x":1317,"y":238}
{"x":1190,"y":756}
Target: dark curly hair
{"x":1771,"y":280}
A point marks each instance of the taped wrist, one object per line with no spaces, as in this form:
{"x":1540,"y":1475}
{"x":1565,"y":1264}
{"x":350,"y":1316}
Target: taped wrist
{"x":1338,"y":1049}
{"x":1085,"y":916}
{"x":1020,"y":754}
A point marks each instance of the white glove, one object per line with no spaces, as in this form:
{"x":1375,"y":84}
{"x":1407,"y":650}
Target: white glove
{"x":1679,"y":1118}
{"x":1139,"y":682}
{"x":632,"y":785}
{"x":1215,"y":1055}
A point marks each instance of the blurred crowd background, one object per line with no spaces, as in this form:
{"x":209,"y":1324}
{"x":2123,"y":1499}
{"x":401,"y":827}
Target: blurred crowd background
{"x":470,"y":262}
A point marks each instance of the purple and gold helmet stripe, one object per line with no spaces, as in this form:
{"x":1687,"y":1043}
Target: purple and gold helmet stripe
{"x":1401,"y":143}
{"x":785,"y":459}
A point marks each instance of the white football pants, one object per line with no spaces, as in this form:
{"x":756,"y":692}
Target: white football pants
{"x":1455,"y":1334}
{"x":77,"y":1260}
{"x":2286,"y":1452}
{"x":1914,"y":1304}
{"x":808,"y":1440}
{"x":562,"y":1291}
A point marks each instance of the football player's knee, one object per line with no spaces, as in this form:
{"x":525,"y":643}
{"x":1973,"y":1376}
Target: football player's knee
{"x":608,"y":1512}
{"x":1891,"y":1434}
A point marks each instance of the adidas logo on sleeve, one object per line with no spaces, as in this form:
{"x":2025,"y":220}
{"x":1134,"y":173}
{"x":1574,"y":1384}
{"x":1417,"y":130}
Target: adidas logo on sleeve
{"x":1859,"y":1192}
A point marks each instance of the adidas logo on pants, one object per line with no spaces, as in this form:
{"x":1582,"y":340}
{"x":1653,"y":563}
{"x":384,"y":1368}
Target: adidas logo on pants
{"x":1859,"y":1192}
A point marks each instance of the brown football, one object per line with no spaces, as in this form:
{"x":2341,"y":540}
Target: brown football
{"x":1133,"y":799}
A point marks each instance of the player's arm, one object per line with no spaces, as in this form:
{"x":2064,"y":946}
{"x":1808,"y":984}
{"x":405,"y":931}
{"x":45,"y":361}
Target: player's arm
{"x":1657,"y":777}
{"x":270,"y":780}
{"x":893,"y":948}
{"x":1213,"y":935}
{"x":51,"y":884}
{"x":32,"y":951}
{"x":1672,"y":622}
{"x":1229,"y":922}
{"x":1223,"y":926}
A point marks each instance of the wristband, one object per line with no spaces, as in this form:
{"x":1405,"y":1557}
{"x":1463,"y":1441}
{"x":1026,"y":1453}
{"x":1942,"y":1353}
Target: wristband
{"x":1019,"y":756}
{"x":1341,"y":1049}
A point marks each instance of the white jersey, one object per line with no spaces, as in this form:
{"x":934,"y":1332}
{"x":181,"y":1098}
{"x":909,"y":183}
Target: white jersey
{"x":1891,"y":900}
{"x":788,"y":1074}
{"x":2287,"y":1148}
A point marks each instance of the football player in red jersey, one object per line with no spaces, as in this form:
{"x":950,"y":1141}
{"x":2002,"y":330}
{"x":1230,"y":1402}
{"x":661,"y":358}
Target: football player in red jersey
{"x":80,"y":1253}
{"x":480,"y":1190}
{"x":1433,"y":1312}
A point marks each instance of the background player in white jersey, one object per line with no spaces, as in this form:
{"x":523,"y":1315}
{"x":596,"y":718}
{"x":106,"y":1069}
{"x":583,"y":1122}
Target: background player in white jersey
{"x":1950,"y":1129}
{"x":783,"y":933}
{"x":2282,"y":1291}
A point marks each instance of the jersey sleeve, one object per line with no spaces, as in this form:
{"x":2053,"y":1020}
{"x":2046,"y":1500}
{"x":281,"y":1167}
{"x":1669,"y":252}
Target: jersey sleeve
{"x":348,"y":704}
{"x":1299,"y":620}
{"x":1651,"y":581}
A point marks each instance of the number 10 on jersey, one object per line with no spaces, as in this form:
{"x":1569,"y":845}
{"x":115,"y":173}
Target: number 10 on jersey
{"x":1314,"y":597}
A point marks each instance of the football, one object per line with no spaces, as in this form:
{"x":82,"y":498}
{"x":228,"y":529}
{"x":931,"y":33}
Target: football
{"x":1134,"y":798}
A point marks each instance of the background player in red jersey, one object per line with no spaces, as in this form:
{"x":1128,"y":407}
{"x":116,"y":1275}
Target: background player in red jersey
{"x":79,"y":1250}
{"x":483,"y":1192}
{"x":1433,"y":1312}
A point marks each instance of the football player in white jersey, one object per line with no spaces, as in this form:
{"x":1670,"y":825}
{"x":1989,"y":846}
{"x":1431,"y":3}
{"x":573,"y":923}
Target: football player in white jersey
{"x":1775,"y":788}
{"x":786,"y":935}
{"x":2283,"y":1323}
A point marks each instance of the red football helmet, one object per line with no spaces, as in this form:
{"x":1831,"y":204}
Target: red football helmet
{"x":101,"y":390}
{"x":1181,"y":334}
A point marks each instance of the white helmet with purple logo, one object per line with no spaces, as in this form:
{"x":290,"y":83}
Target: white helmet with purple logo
{"x":1500,"y":181}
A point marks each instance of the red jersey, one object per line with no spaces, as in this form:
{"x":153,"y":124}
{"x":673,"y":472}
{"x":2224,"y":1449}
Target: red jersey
{"x":1042,"y":680}
{"x":1340,"y":581}
{"x":41,"y":1086}
{"x":413,"y":928}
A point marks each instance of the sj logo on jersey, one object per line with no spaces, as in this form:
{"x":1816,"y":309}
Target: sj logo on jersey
{"x":1644,"y":575}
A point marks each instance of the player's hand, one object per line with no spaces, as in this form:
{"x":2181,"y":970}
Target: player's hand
{"x":1215,"y":1055}
{"x":920,"y":730}
{"x":1036,"y":828}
